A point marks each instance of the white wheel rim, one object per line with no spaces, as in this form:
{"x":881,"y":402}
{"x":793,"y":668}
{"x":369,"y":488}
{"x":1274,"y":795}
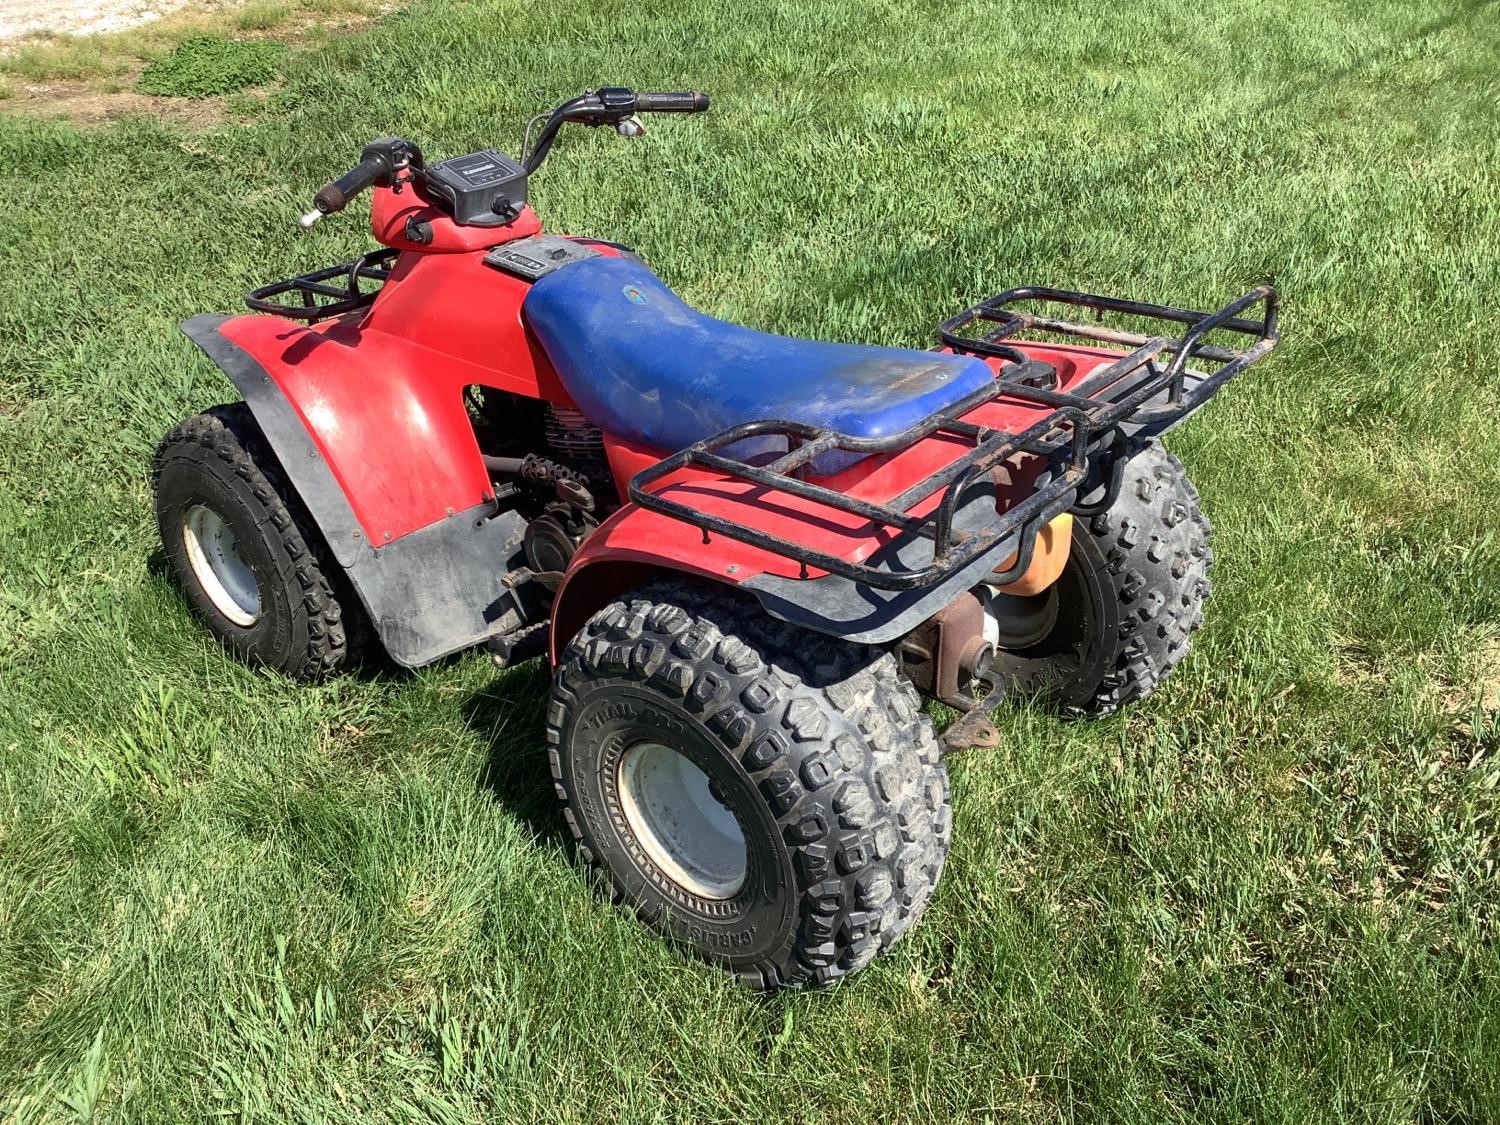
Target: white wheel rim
{"x":684,"y":828}
{"x":213,"y":552}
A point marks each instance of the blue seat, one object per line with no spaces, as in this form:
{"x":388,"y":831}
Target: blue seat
{"x":643,"y":365}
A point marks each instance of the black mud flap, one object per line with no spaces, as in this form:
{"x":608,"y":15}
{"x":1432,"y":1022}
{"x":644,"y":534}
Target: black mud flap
{"x":432,"y":592}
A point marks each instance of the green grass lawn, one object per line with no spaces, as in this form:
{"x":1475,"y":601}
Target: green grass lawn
{"x":1268,"y":893}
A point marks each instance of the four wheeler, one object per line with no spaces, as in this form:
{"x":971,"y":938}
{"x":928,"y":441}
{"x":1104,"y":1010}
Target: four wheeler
{"x":747,"y":557}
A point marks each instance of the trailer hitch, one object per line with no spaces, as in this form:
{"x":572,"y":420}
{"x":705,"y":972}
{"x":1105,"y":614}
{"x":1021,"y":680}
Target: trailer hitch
{"x":949,"y":658}
{"x":972,"y":730}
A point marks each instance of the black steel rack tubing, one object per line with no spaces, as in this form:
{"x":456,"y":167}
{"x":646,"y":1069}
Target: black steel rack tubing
{"x":346,"y":298}
{"x":1078,"y":424}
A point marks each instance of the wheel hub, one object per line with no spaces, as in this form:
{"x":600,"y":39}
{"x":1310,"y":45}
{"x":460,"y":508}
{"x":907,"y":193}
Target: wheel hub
{"x":213,"y":552}
{"x":1016,"y":622}
{"x":680,"y":820}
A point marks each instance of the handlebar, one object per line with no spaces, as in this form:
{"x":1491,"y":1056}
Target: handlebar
{"x":609,"y":105}
{"x":382,"y":159}
{"x":333,"y":196}
{"x":681,"y":101}
{"x":378,"y":163}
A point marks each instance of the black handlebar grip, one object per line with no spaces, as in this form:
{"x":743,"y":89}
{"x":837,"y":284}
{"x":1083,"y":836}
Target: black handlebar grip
{"x":331,"y":198}
{"x":678,"y":101}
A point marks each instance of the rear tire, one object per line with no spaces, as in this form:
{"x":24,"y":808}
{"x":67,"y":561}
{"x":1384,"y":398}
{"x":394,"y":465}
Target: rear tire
{"x":832,"y":820}
{"x":1129,"y":599}
{"x":246,"y":553}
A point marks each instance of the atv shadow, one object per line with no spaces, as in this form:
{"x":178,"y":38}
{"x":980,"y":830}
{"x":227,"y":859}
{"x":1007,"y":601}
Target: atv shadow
{"x":156,"y":567}
{"x":510,"y":715}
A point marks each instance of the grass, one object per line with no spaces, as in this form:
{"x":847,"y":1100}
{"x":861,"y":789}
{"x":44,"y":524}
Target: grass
{"x":203,"y":65}
{"x":1267,"y":894}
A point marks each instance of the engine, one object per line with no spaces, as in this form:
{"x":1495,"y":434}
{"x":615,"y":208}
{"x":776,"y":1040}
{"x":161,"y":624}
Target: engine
{"x":571,"y":437}
{"x":573,"y":483}
{"x":551,"y":460}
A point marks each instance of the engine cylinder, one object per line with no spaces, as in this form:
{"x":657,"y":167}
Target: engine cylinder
{"x":571,"y":436}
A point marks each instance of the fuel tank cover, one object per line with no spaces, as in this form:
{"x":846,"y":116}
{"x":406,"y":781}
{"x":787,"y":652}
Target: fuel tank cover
{"x":531,"y":258}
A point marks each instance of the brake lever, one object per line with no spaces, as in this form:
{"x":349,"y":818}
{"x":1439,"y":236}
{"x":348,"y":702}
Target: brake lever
{"x":306,"y":220}
{"x":629,"y":126}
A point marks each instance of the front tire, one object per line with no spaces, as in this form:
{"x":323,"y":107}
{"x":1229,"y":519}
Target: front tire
{"x":1128,"y":601}
{"x":771,"y":799}
{"x":246,"y":553}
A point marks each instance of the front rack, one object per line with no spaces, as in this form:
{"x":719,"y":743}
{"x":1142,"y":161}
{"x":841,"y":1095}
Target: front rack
{"x":319,"y":295}
{"x":1075,"y":439}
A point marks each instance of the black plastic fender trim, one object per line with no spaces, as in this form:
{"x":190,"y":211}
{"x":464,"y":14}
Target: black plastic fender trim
{"x":439,"y":589}
{"x":284,"y":431}
{"x":865,"y":614}
{"x":431,"y":592}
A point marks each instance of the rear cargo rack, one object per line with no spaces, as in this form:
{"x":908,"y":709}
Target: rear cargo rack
{"x":1077,"y":438}
{"x":1186,"y":389}
{"x":325,"y":293}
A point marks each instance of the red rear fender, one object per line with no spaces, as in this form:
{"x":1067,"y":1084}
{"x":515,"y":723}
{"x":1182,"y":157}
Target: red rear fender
{"x":635,"y":542}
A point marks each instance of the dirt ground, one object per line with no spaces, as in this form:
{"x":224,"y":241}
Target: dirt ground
{"x":81,"y":104}
{"x":79,"y":17}
{"x":110,"y":96}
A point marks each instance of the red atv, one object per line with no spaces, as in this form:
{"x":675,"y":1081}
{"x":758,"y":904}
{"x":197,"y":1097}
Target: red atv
{"x":747,"y":557}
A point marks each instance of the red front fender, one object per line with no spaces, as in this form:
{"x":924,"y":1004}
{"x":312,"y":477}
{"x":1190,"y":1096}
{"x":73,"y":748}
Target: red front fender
{"x":381,"y":453}
{"x":392,"y":428}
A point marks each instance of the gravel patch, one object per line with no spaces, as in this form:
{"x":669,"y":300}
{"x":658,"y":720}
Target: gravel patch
{"x":79,"y":17}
